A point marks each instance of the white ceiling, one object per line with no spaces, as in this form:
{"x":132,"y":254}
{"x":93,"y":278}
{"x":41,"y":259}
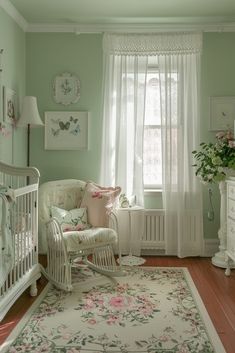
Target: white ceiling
{"x":118,"y":12}
{"x":51,"y":11}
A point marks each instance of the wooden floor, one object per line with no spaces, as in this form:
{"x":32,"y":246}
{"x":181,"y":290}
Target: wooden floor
{"x":217,"y":292}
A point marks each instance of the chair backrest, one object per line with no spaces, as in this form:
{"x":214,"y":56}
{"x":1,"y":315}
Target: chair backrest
{"x":66,"y":194}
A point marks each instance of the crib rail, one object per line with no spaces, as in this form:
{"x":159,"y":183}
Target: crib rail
{"x":24,"y":232}
{"x":16,"y":177}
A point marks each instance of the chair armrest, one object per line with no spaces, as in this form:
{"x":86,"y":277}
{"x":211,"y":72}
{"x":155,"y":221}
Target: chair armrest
{"x":114,"y":224}
{"x":114,"y":221}
{"x":55,"y":234}
{"x":53,"y":221}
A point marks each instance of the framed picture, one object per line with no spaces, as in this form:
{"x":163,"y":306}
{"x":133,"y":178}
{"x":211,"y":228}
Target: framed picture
{"x":66,"y":130}
{"x":66,"y":89}
{"x":222,"y":113}
{"x":10,"y":106}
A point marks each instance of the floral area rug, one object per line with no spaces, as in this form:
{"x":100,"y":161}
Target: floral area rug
{"x":149,"y":310}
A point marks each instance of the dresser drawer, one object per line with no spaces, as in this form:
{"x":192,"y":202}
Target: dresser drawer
{"x":231,"y":236}
{"x":231,"y":228}
{"x":231,"y":244}
{"x":231,"y":191}
{"x":231,"y":208}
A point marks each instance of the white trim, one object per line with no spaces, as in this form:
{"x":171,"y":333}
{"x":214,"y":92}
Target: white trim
{"x":152,"y":191}
{"x":172,"y":24}
{"x":211,"y":246}
{"x":131,"y":27}
{"x":12,"y":12}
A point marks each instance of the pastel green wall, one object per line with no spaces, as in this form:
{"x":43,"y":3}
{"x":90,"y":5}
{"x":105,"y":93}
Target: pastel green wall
{"x":218,"y":79}
{"x":12,"y":40}
{"x":49,"y":55}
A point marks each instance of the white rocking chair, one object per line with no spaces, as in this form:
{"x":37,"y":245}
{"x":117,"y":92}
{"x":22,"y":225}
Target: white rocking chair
{"x":63,"y":248}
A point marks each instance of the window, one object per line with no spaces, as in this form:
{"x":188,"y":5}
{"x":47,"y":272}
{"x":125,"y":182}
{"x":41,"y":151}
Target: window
{"x":152,"y":153}
{"x":152,"y":145}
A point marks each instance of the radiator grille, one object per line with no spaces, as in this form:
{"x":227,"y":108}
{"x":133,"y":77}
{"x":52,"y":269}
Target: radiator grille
{"x":154,"y":230}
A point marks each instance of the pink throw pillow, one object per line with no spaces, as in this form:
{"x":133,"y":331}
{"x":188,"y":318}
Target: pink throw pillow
{"x":99,"y":202}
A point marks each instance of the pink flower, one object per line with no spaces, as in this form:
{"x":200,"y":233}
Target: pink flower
{"x":229,"y":135}
{"x":231,"y":143}
{"x":92,"y":321}
{"x":112,"y":320}
{"x":146,"y":310}
{"x":220,"y":134}
{"x":164,"y":338}
{"x":89,"y":304}
{"x":118,"y":302}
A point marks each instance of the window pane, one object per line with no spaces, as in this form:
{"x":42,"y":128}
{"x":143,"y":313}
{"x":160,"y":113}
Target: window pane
{"x":152,"y":108}
{"x":152,"y":156}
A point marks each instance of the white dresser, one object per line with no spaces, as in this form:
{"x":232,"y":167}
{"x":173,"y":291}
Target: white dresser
{"x":230,"y":252}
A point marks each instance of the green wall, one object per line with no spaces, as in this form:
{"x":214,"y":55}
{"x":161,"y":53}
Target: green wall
{"x":12,"y":40}
{"x":50,"y":54}
{"x":218,"y":79}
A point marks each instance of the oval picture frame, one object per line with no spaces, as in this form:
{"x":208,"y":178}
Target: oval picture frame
{"x":66,"y":88}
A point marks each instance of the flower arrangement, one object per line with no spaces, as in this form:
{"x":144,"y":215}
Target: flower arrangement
{"x":214,"y":159}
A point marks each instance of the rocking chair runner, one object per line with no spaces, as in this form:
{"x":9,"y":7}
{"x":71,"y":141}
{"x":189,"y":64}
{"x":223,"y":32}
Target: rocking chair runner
{"x":65,"y":247}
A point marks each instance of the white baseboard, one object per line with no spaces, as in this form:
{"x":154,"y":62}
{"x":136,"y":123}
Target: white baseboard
{"x":211,"y":246}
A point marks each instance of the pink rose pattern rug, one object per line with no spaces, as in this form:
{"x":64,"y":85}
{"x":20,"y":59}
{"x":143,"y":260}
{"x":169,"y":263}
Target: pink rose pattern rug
{"x":150,"y":310}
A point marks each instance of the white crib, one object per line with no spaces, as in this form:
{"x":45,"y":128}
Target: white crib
{"x":25,"y":270}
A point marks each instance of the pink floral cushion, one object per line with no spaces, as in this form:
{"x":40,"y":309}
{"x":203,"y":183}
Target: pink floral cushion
{"x":99,"y":202}
{"x":75,"y":219}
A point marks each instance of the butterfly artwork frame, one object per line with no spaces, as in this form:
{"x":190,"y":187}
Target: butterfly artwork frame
{"x":66,"y":130}
{"x":222,"y":113}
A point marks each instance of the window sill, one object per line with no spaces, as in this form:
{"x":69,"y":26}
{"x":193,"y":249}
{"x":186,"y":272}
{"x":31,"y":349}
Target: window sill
{"x":152,"y":191}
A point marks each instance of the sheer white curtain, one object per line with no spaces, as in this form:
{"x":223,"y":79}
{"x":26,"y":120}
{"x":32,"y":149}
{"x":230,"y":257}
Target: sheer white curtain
{"x":180,"y":118}
{"x":123,"y":117}
{"x":127,"y":59}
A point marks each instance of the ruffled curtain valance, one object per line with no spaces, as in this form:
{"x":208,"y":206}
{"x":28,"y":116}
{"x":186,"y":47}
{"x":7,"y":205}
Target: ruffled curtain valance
{"x":152,"y":44}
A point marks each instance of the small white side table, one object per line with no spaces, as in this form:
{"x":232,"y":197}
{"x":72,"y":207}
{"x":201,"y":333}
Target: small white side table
{"x":133,"y":230}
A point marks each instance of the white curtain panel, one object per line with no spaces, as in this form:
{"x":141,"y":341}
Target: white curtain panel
{"x":123,"y":119}
{"x":127,"y":60}
{"x":180,"y":120}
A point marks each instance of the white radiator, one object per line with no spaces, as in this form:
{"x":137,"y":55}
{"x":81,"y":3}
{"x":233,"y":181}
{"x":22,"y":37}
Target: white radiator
{"x":154,"y":230}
